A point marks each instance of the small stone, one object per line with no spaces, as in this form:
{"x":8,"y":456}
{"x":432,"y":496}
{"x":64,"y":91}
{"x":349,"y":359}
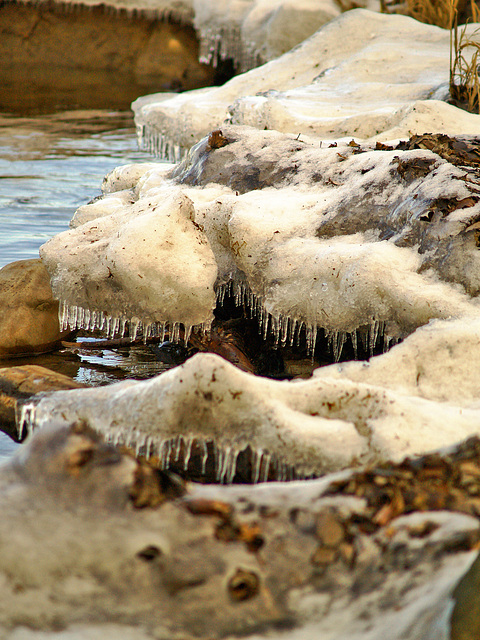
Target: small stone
{"x":347,"y":553}
{"x":324,"y":555}
{"x":329,"y":530}
{"x":243,"y":585}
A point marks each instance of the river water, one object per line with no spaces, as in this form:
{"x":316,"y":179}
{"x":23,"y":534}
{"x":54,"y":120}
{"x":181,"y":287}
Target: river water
{"x":50,"y":165}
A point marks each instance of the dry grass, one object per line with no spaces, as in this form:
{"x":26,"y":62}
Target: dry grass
{"x":438,"y":12}
{"x":464,"y":48}
{"x":465,"y":62}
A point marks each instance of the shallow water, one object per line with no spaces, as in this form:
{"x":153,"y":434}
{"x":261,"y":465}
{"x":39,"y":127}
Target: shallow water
{"x":50,"y":165}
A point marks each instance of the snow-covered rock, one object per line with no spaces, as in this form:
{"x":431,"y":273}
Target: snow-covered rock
{"x":363,"y":74}
{"x":349,"y":239}
{"x":95,"y":545}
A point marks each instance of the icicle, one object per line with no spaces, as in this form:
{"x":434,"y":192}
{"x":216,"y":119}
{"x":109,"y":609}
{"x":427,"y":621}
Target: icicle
{"x":220,"y":458}
{"x":111,"y":330}
{"x":284,"y":330}
{"x":148,"y":447}
{"x":63,"y":316}
{"x":311,"y":331}
{"x":26,"y":420}
{"x":375,"y":327}
{"x":338,"y":341}
{"x":177,"y":448}
{"x":204,"y":456}
{"x":187,"y":333}
{"x":140,"y":131}
{"x":72,"y":317}
{"x":231,"y":467}
{"x":188,"y":453}
{"x":266,"y":466}
{"x":389,"y":342}
{"x":266,"y":323}
{"x":158,"y":144}
{"x":116,"y":438}
{"x":133,"y":329}
{"x":222,"y":291}
{"x":165,"y":453}
{"x":85,"y":322}
{"x":224,"y":42}
{"x":294,"y":331}
{"x":353,"y":337}
{"x":205,"y":328}
{"x":79,"y":318}
{"x":175,"y":332}
{"x":140,"y":444}
{"x":108,"y":326}
{"x":301,"y":325}
{"x":226,"y":467}
{"x":275,"y":329}
{"x":256,"y":466}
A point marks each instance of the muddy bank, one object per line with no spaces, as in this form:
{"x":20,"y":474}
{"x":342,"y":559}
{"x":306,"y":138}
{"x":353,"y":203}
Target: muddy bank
{"x":55,"y":55}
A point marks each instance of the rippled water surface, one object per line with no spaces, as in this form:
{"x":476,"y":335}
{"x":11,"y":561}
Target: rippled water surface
{"x":50,"y":165}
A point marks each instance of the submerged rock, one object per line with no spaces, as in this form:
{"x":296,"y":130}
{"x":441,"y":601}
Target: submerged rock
{"x":28,"y":312}
{"x":94,"y":542}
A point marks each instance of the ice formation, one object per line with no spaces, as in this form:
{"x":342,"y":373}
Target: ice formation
{"x":363,"y":74}
{"x":421,"y":396}
{"x":365,"y":242}
{"x":149,"y":265}
{"x":96,"y":545}
{"x":252,"y":32}
{"x":349,"y":239}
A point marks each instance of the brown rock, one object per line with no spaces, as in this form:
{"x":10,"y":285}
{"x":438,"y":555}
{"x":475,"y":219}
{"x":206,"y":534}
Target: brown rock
{"x":324,"y":556}
{"x":330,"y":530}
{"x":18,"y":384}
{"x":28,"y":313}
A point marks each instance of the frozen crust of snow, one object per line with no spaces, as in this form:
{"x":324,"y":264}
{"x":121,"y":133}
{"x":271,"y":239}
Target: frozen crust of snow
{"x":80,"y":560}
{"x":342,"y":238}
{"x":145,"y":263}
{"x":323,"y":424}
{"x":363,"y":74}
{"x":252,"y":32}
